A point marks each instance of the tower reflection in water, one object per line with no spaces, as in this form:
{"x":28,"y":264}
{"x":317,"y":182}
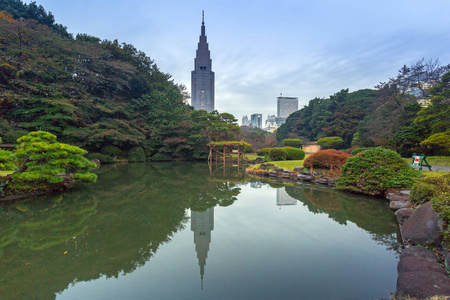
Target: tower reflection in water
{"x":202,"y":223}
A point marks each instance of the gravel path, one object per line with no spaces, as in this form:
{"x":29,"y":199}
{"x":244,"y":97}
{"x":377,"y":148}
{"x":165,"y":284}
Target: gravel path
{"x":438,"y":168}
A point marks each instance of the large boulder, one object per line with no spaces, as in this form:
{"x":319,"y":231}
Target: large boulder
{"x":424,"y":227}
{"x":422,"y":284}
{"x":414,"y":263}
{"x":416,"y":251}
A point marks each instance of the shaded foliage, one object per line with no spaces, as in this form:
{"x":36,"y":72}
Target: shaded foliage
{"x":376,"y":170}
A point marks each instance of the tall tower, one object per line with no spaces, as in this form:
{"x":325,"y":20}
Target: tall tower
{"x":202,"y":77}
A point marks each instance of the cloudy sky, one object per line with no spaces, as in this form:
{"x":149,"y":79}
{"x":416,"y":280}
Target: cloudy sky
{"x":261,"y":48}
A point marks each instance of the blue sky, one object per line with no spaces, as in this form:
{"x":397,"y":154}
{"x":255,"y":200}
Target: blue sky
{"x":260,"y":49}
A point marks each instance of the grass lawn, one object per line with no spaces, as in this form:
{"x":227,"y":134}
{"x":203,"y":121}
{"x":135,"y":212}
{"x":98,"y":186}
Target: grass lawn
{"x":429,"y":174}
{"x":286,"y":164}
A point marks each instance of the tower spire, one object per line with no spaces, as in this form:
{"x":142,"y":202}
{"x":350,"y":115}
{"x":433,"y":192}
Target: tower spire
{"x":203,"y":17}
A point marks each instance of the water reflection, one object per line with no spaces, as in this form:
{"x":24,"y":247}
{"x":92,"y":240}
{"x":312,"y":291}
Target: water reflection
{"x":118,"y":225}
{"x":202,"y":223}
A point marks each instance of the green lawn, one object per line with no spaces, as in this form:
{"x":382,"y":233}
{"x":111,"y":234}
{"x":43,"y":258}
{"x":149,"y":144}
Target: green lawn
{"x":286,"y":164}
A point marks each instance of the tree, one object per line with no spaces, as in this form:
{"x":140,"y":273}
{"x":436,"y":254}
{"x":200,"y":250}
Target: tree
{"x":46,"y":161}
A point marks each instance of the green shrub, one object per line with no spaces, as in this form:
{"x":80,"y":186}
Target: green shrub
{"x":104,"y":159}
{"x":294,"y":153}
{"x":427,"y":188}
{"x":376,"y":170}
{"x":111,"y":150}
{"x":7,"y":161}
{"x":327,"y":159}
{"x":441,"y":204}
{"x":422,"y":192}
{"x":358,"y":150}
{"x":349,"y":151}
{"x":263,"y":151}
{"x":136,"y":154}
{"x":331,"y":142}
{"x":276,"y":154}
{"x":297,"y":143}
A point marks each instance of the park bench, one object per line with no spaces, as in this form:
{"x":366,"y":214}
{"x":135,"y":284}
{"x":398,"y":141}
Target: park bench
{"x":419,"y":161}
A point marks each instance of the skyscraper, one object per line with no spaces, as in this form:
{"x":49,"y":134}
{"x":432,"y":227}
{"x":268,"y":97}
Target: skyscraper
{"x":202,"y":77}
{"x":256,"y":120}
{"x":286,"y":106}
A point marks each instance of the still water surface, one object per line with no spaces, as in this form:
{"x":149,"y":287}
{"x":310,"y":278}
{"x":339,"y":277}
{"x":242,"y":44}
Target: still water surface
{"x":183,"y":231}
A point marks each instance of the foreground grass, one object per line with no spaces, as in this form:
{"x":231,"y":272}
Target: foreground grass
{"x":285,"y":164}
{"x":430,"y":174}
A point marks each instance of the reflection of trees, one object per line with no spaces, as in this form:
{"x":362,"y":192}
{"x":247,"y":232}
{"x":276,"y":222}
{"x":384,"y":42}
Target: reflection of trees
{"x":370,"y":214}
{"x":106,"y":229}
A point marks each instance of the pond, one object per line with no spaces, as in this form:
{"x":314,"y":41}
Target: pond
{"x":187,"y":231}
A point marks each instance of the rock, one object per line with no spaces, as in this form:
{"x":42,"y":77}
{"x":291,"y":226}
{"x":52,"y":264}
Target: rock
{"x":403,"y":214}
{"x":286,"y":174}
{"x":422,"y":284}
{"x":396,"y":205}
{"x":332,"y":181}
{"x":423,"y":227}
{"x":323,"y":181}
{"x":278,"y":169}
{"x":299,"y":169}
{"x":421,"y":252}
{"x":305,"y":177}
{"x":317,"y":173}
{"x":389,"y":195}
{"x":400,"y":198}
{"x":414,"y":264}
{"x":447,"y":262}
{"x":405,"y":192}
{"x":266,"y":166}
{"x":273,"y":174}
{"x":306,"y":173}
{"x":259,"y":160}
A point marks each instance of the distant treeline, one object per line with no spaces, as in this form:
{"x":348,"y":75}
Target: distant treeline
{"x":388,"y":116}
{"x":105,"y":96}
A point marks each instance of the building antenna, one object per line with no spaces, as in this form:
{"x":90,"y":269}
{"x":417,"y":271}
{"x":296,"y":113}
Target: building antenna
{"x":203,"y":17}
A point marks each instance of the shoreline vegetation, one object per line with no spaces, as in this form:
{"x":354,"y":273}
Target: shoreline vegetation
{"x":108,"y":102}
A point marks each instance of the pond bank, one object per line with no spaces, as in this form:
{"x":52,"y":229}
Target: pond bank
{"x":422,"y":273}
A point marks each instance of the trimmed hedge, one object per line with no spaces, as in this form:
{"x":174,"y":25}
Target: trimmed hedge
{"x":327,"y":159}
{"x":276,"y":154}
{"x":112,"y":151}
{"x":297,"y":143}
{"x":294,"y":153}
{"x":136,"y":154}
{"x":331,"y":142}
{"x":376,"y":170}
{"x":263,"y":151}
{"x":359,"y":150}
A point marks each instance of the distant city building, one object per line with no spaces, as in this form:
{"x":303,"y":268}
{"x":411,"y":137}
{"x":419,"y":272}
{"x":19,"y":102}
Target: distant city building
{"x":286,"y":106}
{"x":280,"y":120}
{"x":202,"y":77}
{"x":271,"y":123}
{"x":256,"y":120}
{"x":245,"y":120}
